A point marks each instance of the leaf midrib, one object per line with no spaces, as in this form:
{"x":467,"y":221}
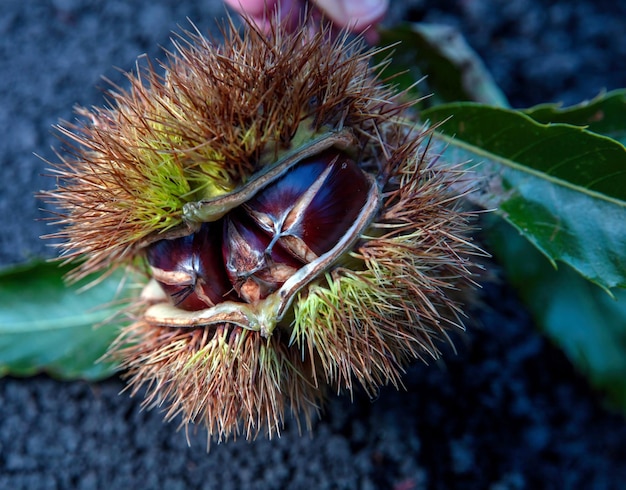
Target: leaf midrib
{"x":452,"y":140}
{"x":30,"y":326}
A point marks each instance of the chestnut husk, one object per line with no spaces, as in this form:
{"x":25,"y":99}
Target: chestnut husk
{"x":261,"y":294}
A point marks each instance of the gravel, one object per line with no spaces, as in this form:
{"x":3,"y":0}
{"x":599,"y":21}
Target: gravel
{"x":506,"y":412}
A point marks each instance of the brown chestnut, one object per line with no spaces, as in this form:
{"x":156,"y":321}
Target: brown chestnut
{"x":312,"y":205}
{"x":190,"y":269}
{"x":255,"y":264}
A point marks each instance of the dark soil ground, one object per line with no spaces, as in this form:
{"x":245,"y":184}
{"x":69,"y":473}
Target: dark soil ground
{"x":507,"y":412}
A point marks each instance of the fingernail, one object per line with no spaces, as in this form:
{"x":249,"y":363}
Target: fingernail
{"x":371,"y":10}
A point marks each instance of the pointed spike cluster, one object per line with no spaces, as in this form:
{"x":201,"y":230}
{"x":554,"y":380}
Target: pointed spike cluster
{"x":228,"y":379}
{"x":367,"y":324}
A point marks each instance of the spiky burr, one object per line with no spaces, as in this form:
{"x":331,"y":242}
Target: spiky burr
{"x":294,"y":229}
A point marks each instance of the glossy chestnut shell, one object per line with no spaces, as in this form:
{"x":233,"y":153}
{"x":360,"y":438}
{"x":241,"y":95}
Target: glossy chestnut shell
{"x":190,"y":269}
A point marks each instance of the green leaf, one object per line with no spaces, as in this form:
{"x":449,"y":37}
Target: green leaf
{"x":453,"y":69}
{"x":605,"y":114}
{"x":561,"y":186}
{"x":46,"y":326}
{"x":584,"y":321}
